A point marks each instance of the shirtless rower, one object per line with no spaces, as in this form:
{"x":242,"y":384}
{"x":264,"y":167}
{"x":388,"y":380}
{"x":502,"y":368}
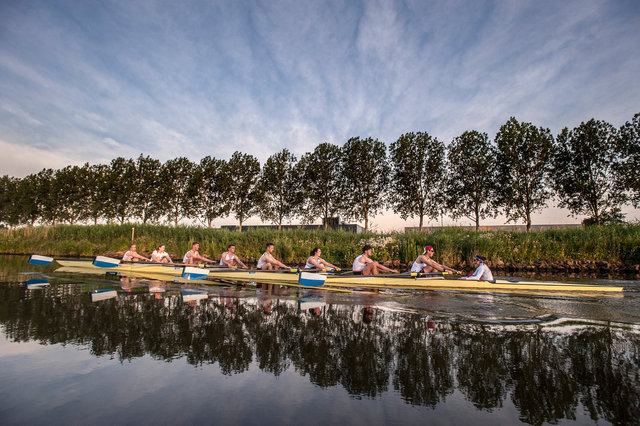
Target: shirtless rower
{"x":229,"y":258}
{"x":316,"y":262}
{"x":192,"y":257}
{"x":364,"y":265}
{"x":267,"y":262}
{"x":131,"y":255}
{"x":424,"y":263}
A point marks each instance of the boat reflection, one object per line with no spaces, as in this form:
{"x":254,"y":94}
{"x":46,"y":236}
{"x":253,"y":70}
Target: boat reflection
{"x":549,"y":371}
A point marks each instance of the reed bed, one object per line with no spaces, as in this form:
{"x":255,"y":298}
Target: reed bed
{"x":454,"y":246}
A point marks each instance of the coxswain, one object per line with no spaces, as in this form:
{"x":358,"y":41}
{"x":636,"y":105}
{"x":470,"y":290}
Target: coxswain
{"x":424,"y":263}
{"x":364,"y":265}
{"x":267,"y":261}
{"x":482,"y":273}
{"x":316,"y":262}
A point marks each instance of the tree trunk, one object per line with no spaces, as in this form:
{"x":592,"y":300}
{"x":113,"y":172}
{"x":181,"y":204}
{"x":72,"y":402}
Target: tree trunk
{"x":477,"y":219}
{"x":366,"y":222}
{"x":421,"y":221}
{"x":528,"y":221}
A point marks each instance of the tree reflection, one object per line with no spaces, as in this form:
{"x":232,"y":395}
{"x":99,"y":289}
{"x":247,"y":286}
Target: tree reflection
{"x":548,"y":373}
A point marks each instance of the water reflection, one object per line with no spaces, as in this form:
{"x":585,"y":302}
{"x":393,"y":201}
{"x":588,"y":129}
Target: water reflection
{"x":549,"y":372}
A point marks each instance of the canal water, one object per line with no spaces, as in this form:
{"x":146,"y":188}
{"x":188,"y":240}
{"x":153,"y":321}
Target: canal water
{"x":268,"y":354}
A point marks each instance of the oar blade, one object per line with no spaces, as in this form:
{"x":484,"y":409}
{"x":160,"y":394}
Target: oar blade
{"x":39,"y":260}
{"x":193,"y":273}
{"x":311,"y":279}
{"x":105,"y":262}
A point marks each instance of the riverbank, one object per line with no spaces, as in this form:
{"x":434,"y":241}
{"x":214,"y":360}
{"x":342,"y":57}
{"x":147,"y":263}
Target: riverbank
{"x":598,"y":249}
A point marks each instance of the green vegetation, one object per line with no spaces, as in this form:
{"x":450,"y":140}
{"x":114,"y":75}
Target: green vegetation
{"x":454,"y":246}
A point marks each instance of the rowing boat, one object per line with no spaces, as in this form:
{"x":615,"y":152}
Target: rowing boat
{"x":409,"y":282}
{"x":398,"y":281}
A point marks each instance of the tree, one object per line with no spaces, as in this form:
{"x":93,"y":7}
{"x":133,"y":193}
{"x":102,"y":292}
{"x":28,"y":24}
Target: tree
{"x":211,"y":186}
{"x":279,"y":188}
{"x":471,"y":183}
{"x":29,"y":196}
{"x":365,"y":174}
{"x":243,"y":171}
{"x":524,"y":153}
{"x":46,"y":198}
{"x":69,"y":192}
{"x":145,"y":189}
{"x":630,"y":164}
{"x":418,"y":172}
{"x":9,"y":211}
{"x":98,"y":195}
{"x":175,"y":176}
{"x":320,"y":172}
{"x":585,"y":170}
{"x":120,"y":186}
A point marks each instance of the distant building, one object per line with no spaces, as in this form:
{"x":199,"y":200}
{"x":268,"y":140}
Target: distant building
{"x":333,"y":224}
{"x":521,"y":228}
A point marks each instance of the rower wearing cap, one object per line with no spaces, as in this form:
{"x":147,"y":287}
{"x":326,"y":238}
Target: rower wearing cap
{"x":424,"y":263}
{"x":132,"y":255}
{"x":364,"y":265}
{"x":482,"y":273}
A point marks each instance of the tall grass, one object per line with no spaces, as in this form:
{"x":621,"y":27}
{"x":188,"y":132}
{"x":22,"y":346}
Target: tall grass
{"x":453,"y":246}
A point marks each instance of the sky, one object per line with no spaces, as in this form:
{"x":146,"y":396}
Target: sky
{"x":88,"y":81}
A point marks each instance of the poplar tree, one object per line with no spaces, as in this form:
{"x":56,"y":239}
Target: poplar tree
{"x":120,"y":185}
{"x":365,"y":175}
{"x":244,"y":172}
{"x":471,"y":181}
{"x":279,"y":188}
{"x":147,"y":184}
{"x":585,"y":170}
{"x":630,"y":165}
{"x":320,"y":172}
{"x":210,"y":187}
{"x":524,"y":154}
{"x":175,"y":176}
{"x":418,"y":176}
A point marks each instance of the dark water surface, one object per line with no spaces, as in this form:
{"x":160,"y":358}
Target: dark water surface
{"x":277,"y":355}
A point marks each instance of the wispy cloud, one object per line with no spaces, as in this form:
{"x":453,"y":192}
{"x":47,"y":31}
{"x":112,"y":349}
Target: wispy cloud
{"x":90,"y":81}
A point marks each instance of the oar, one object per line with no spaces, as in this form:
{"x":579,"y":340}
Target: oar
{"x":105,"y":262}
{"x":36,"y":259}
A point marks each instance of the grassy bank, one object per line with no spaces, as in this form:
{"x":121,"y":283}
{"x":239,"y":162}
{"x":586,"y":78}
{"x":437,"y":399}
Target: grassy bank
{"x":455,"y":246}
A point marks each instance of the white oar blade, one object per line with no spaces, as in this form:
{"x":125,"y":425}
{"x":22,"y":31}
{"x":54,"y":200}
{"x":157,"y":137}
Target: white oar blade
{"x":37,"y":259}
{"x":103,"y":294}
{"x":106,"y":262}
{"x":311,"y":279}
{"x":193,"y":273}
{"x":193,"y":295}
{"x":37,"y":283}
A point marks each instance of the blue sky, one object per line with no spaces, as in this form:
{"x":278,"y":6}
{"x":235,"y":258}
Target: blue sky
{"x":88,"y":81}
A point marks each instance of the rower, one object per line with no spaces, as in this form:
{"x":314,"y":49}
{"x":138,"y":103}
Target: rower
{"x":160,"y":256}
{"x":267,"y":262}
{"x":229,"y":258}
{"x":131,"y":255}
{"x":192,"y":257}
{"x":424,"y":263}
{"x":316,"y":262}
{"x":482,"y":273}
{"x":364,"y":265}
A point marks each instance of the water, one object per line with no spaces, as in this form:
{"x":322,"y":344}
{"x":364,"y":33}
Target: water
{"x":286,"y":355}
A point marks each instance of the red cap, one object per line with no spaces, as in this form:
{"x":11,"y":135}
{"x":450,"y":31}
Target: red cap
{"x":426,"y":249}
